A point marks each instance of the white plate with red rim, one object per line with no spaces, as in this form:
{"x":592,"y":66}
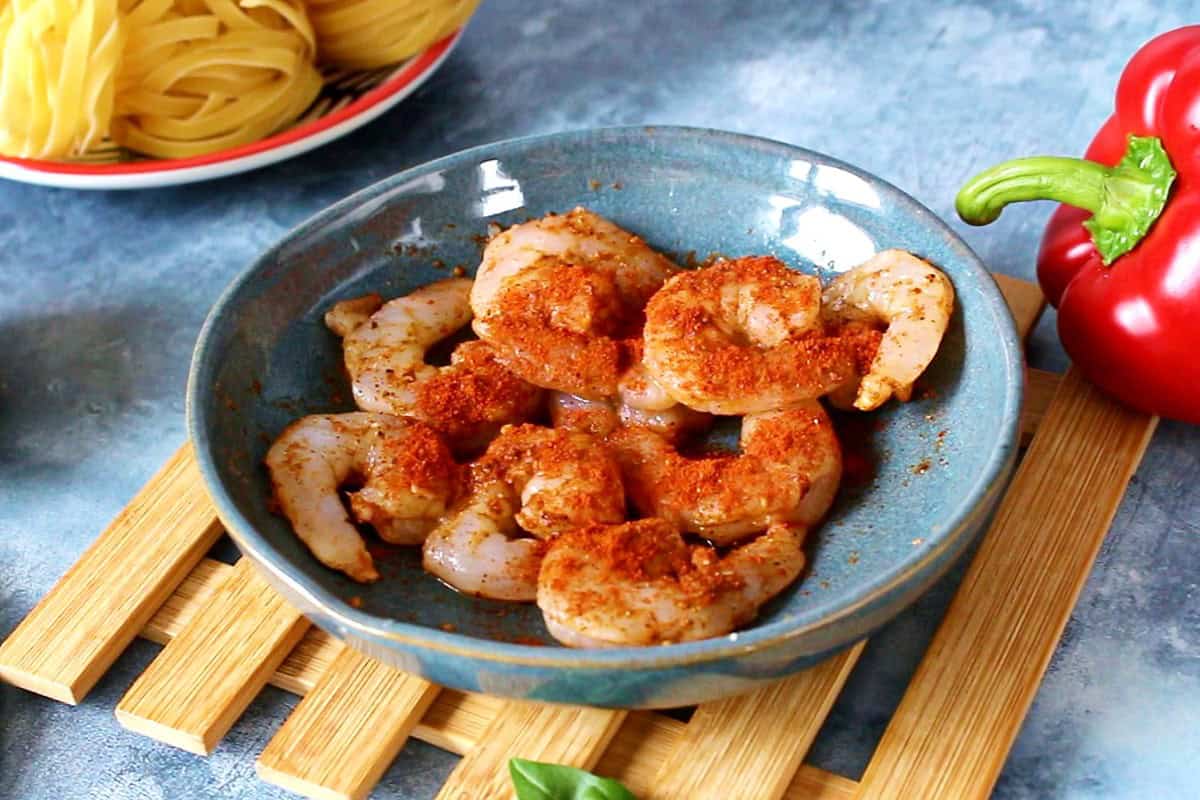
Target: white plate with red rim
{"x":348,"y":101}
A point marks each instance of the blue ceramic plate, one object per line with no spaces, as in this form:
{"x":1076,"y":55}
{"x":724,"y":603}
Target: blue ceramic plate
{"x":923,"y":479}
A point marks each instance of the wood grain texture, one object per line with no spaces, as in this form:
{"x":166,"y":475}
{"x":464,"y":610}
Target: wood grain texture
{"x":342,"y":736}
{"x":202,"y":681}
{"x":94,"y":611}
{"x":762,"y":737}
{"x":1039,"y":391}
{"x":571,"y":735}
{"x":455,"y":722}
{"x":1025,"y":301}
{"x":646,"y":739}
{"x":952,"y":732}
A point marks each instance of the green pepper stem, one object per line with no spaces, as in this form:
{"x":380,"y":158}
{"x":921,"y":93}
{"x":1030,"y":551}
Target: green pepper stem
{"x":1124,"y":199}
{"x":1068,"y":180}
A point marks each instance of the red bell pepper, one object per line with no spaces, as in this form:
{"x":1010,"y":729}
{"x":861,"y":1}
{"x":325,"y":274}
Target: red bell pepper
{"x":1121,"y":258}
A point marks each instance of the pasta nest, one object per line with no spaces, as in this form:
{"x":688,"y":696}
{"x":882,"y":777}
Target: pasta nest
{"x":181,"y":78}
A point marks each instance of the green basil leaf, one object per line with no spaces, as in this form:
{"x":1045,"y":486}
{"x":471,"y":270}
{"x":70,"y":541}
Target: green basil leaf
{"x":535,"y":780}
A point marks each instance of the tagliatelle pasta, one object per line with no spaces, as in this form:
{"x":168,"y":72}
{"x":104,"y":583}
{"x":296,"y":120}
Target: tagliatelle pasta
{"x":203,"y":75}
{"x":364,"y":34}
{"x":58,"y":63}
{"x":182,"y":78}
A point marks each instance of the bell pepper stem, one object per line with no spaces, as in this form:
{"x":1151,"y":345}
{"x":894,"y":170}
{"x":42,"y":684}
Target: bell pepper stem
{"x":1068,"y":180}
{"x":1124,"y":199}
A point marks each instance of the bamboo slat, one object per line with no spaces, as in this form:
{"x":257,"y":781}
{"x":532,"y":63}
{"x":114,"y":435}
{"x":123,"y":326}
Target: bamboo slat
{"x":952,"y":732}
{"x":1039,"y":391}
{"x":1025,"y":301}
{"x":342,"y":736}
{"x":205,"y":677}
{"x":455,"y":722}
{"x":571,"y":735}
{"x":762,"y":737}
{"x":77,"y":630}
{"x":646,"y":739}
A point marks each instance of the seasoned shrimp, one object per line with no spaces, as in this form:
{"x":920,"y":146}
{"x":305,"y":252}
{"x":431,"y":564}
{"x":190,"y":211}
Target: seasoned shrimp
{"x":387,"y":351}
{"x":600,"y":417}
{"x":637,"y":387}
{"x":408,"y":481}
{"x":640,"y":583}
{"x":542,"y":481}
{"x":473,"y":398}
{"x":640,"y":401}
{"x":788,"y":471}
{"x":467,"y":401}
{"x":561,"y":299}
{"x":480,"y":551}
{"x":913,"y":299}
{"x":574,"y":413}
{"x":347,"y":316}
{"x":743,"y":336}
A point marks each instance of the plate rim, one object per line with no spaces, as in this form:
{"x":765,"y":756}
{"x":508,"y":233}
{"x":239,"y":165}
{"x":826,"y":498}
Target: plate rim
{"x":281,"y":146}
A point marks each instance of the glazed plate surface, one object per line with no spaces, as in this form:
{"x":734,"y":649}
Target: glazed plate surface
{"x":922,"y":479}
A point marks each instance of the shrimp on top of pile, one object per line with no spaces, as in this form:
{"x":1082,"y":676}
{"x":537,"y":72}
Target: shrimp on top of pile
{"x":561,"y":298}
{"x":555,"y":458}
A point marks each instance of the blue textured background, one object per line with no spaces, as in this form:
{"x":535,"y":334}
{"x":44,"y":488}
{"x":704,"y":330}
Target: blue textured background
{"x":101,"y":296}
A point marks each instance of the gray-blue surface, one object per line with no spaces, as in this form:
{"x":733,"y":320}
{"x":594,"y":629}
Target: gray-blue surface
{"x":101,"y":296}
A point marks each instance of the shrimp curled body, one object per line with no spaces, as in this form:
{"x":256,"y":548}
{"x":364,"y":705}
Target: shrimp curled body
{"x":408,"y":476}
{"x":743,"y":336}
{"x":561,"y":298}
{"x":640,"y":583}
{"x":541,"y":481}
{"x":385,"y":344}
{"x":912,"y":299}
{"x":788,"y":471}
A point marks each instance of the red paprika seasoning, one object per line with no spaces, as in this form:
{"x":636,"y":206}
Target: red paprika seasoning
{"x":1120,"y":259}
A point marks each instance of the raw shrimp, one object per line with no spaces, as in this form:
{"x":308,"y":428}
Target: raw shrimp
{"x":637,"y":387}
{"x":640,"y":583}
{"x":561,"y":299}
{"x":467,"y":401}
{"x":601,"y":417}
{"x":387,"y":351}
{"x":913,"y":299}
{"x":542,"y":481}
{"x":479,"y":550}
{"x":346,"y":316}
{"x":640,"y":401}
{"x":571,"y":412}
{"x":743,"y":336}
{"x":473,"y":398}
{"x":407,"y":473}
{"x":788,"y":471}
